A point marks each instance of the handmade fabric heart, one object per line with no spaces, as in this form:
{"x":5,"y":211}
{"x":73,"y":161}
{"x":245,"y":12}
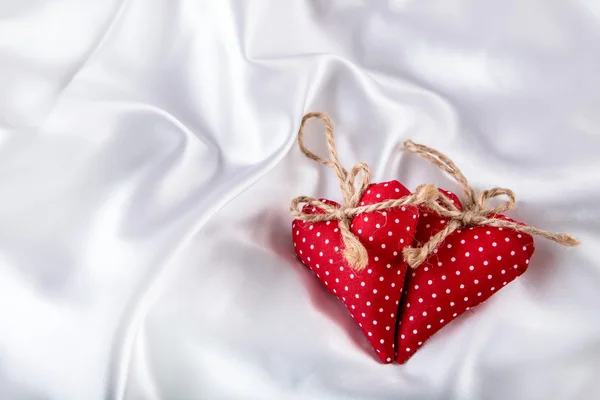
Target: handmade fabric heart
{"x":372,"y":294}
{"x":468,"y":267}
{"x":467,"y":253}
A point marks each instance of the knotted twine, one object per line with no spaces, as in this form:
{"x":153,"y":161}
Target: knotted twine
{"x":474,"y":211}
{"x":354,"y":251}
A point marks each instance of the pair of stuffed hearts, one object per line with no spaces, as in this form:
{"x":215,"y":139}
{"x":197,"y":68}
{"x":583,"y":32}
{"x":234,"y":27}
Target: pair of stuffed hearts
{"x":460,"y":254}
{"x":397,"y":311}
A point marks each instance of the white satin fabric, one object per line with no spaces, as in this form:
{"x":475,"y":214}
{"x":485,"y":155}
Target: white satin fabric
{"x":148,"y":159}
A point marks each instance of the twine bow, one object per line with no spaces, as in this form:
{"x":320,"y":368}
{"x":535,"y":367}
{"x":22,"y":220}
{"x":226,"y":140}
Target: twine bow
{"x":474,"y":211}
{"x":354,"y":251}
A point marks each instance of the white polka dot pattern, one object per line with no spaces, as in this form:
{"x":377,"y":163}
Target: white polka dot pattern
{"x":469,"y":267}
{"x":373,"y":294}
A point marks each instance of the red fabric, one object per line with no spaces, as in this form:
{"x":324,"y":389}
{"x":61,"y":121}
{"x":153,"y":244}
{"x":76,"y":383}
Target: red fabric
{"x":467,"y":268}
{"x":372,"y":295}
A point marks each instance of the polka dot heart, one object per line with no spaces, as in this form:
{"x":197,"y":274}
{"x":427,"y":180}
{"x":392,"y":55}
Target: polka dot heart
{"x":465,"y":270}
{"x":371,"y":295}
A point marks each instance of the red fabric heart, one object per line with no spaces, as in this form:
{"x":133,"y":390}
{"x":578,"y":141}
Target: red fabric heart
{"x":465,"y":270}
{"x":373,"y":294}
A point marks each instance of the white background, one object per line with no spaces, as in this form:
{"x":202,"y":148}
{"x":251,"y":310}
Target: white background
{"x":147,"y":160}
